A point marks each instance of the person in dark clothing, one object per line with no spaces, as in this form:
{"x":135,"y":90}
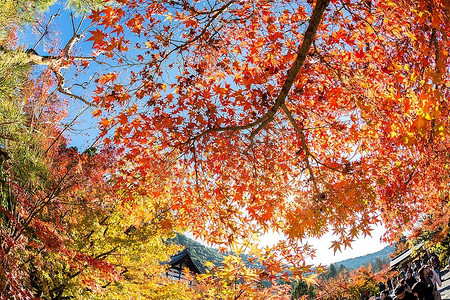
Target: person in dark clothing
{"x":384,"y":295}
{"x":395,"y":282}
{"x":389,"y":284}
{"x":410,"y":280}
{"x":425,"y":258}
{"x":424,"y":288}
{"x":381,"y":287}
{"x":402,"y":294}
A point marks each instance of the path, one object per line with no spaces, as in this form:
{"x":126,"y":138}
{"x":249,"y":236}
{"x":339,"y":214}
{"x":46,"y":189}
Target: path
{"x":445,"y":288}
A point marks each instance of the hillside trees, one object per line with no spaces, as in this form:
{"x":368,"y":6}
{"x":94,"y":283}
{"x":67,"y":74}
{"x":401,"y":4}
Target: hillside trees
{"x":42,"y":181}
{"x":332,"y":272}
{"x":200,"y":253}
{"x":14,"y":13}
{"x":300,"y":289}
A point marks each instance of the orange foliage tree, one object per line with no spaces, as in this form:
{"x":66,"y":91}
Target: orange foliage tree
{"x":50,"y":196}
{"x":351,"y":285}
{"x":297,"y":117}
{"x":63,"y":232}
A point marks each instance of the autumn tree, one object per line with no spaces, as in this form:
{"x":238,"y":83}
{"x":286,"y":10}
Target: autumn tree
{"x":287,"y":116}
{"x":64,"y":232}
{"x":357,"y":284}
{"x":363,"y":283}
{"x":44,"y":185}
{"x":234,"y":278}
{"x":296,"y":117}
{"x":379,"y":264}
{"x":334,"y":288}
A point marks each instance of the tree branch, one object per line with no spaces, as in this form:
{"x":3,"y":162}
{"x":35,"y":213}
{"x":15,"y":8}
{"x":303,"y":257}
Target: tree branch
{"x":56,"y":63}
{"x":197,"y":37}
{"x":304,"y":146}
{"x":302,"y":53}
{"x":46,"y":29}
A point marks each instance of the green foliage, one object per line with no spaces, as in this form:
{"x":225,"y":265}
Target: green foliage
{"x":332,"y":272}
{"x":24,"y":167}
{"x":19,"y":137}
{"x":379,"y":264}
{"x":16,"y":13}
{"x":84,"y":6}
{"x":301,"y":288}
{"x":13,"y":77}
{"x":23,"y":129}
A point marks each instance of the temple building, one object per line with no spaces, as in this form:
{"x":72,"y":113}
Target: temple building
{"x":178,"y":263}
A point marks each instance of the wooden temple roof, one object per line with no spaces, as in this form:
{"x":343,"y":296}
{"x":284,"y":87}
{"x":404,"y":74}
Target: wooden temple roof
{"x":184,"y":257}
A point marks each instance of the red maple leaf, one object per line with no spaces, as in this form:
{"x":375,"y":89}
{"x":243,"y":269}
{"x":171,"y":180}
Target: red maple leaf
{"x":97,"y":37}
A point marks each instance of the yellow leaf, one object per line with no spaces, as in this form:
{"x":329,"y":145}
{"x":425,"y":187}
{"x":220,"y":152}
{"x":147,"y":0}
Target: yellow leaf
{"x":168,"y":17}
{"x":312,"y":279}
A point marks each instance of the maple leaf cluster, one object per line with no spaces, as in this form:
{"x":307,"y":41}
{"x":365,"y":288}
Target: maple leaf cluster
{"x":283,"y":116}
{"x":355,"y":284}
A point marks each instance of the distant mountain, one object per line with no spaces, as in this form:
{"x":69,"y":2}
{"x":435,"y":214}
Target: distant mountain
{"x":201,"y":254}
{"x":355,"y":263}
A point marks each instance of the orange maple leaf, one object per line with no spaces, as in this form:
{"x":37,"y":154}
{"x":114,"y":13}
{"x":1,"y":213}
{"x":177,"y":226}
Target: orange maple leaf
{"x":97,"y":37}
{"x":335,"y":245}
{"x":96,"y":112}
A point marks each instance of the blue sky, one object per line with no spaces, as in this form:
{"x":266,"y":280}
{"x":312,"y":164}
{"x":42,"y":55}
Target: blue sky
{"x":83,"y":130}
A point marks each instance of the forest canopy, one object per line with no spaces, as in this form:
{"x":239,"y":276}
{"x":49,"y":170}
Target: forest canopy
{"x":227,"y":119}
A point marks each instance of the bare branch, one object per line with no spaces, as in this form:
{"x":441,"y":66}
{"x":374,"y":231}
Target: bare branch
{"x":65,"y":91}
{"x":46,"y":29}
{"x":304,"y":145}
{"x":72,"y":41}
{"x":61,"y":132}
{"x":73,"y":23}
